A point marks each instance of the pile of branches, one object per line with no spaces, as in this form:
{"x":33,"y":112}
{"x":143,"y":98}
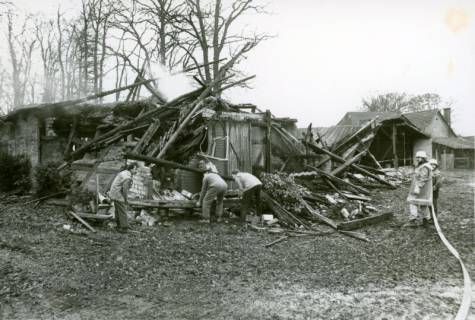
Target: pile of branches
{"x":284,"y":188}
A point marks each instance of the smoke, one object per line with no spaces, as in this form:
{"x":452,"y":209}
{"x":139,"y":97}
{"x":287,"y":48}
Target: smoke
{"x":171,"y":85}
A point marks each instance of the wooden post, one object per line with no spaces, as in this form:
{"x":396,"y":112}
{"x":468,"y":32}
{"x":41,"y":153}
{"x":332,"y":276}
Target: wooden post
{"x":394,"y":135}
{"x":72,"y":133}
{"x":268,"y":152}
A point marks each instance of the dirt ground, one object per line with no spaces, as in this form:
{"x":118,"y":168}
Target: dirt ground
{"x":188,"y":270}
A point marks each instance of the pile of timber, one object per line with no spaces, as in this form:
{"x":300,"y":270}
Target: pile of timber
{"x":336,"y":188}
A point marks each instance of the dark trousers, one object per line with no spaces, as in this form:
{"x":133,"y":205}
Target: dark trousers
{"x":435,"y":200}
{"x":121,"y":214}
{"x":249,"y":197}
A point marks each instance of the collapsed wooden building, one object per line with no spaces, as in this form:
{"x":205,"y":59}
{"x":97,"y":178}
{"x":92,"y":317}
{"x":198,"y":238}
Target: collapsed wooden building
{"x":399,"y":136}
{"x":390,"y":138}
{"x":95,"y":140}
{"x":226,"y":134}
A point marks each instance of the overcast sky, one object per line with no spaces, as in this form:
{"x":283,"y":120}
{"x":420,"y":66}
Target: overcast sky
{"x":329,"y":54}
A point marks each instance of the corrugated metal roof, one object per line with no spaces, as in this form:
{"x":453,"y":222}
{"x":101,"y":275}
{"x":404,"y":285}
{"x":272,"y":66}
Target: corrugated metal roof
{"x":333,"y":135}
{"x":455,"y":143}
{"x":359,"y":118}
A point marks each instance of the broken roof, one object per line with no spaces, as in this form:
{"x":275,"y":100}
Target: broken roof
{"x":358,"y":118}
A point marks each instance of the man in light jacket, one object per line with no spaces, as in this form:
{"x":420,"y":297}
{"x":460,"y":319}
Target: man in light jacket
{"x":420,"y":192}
{"x":119,"y":192}
{"x":251,"y":191}
{"x":213,"y":188}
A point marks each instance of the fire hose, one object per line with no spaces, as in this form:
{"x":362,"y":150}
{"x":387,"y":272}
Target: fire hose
{"x":464,"y":308}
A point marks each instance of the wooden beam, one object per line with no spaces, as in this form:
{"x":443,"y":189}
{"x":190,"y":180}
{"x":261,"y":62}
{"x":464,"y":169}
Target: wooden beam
{"x":331,"y":185}
{"x":72,"y":133}
{"x":172,"y":164}
{"x":87,"y":225}
{"x":166,"y":108}
{"x":340,"y":145}
{"x":376,"y":162}
{"x":147,"y":136}
{"x":348,"y":163}
{"x":359,"y":223}
{"x":268,"y":146}
{"x":341,"y":181}
{"x":198,"y":103}
{"x":322,"y":218}
{"x":394,"y":136}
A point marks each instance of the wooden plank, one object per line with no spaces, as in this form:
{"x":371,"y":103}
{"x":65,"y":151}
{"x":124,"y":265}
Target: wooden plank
{"x":276,"y":241}
{"x":95,"y":216}
{"x":72,"y":133}
{"x":394,"y":141}
{"x":177,"y":204}
{"x":359,"y":223}
{"x":328,"y":181}
{"x":355,"y":197}
{"x":348,"y":163}
{"x":322,"y":218}
{"x":268,"y":146}
{"x":87,"y":225}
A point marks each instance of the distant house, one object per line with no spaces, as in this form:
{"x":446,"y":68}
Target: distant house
{"x":450,"y":150}
{"x":392,"y":142}
{"x":439,"y":139}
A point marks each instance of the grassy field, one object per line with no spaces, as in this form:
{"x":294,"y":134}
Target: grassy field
{"x":188,"y":270}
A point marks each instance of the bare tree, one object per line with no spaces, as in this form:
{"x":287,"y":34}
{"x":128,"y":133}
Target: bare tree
{"x":5,"y":91}
{"x":401,"y":102}
{"x":47,"y":39}
{"x":159,"y":16}
{"x":209,"y":35}
{"x":100,"y":13}
{"x":20,"y":48}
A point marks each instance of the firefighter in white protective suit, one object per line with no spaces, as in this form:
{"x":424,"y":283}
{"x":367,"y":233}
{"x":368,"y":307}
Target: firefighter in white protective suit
{"x":420,"y":192}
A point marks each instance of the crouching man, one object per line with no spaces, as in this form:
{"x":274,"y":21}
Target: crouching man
{"x":251,"y":191}
{"x":118,"y":194}
{"x":213,"y":188}
{"x":420,"y":192}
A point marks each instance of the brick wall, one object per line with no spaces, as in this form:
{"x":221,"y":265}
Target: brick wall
{"x":22,"y":136}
